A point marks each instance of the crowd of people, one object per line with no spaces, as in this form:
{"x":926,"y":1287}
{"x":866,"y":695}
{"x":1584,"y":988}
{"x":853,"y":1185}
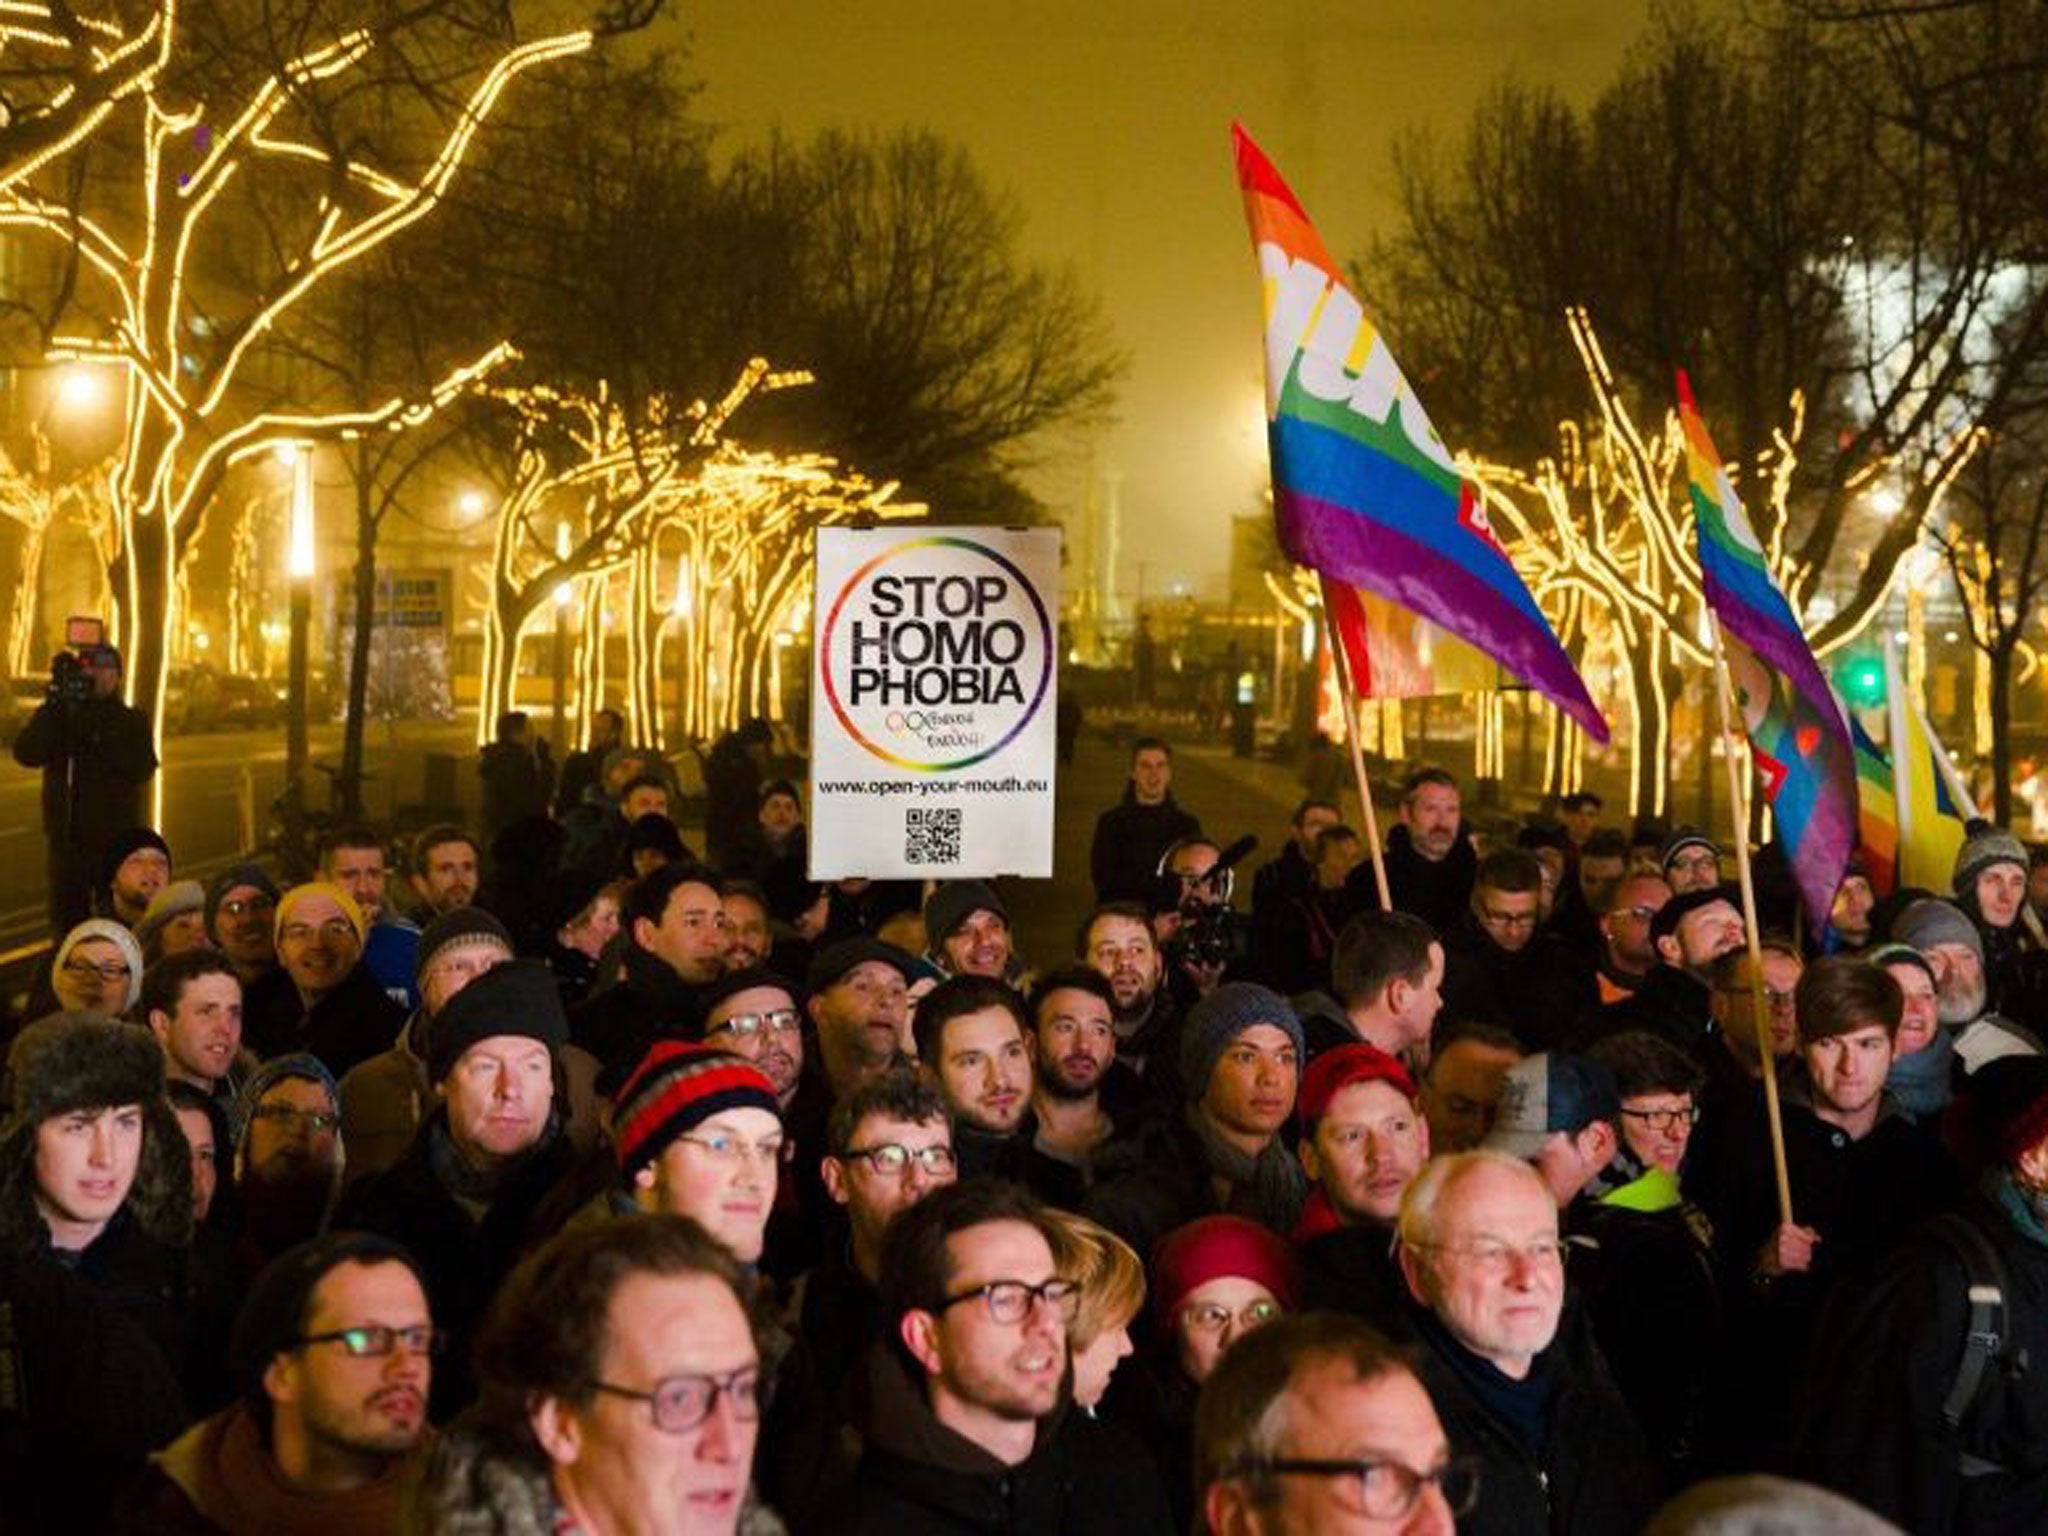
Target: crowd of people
{"x":563,"y":1180}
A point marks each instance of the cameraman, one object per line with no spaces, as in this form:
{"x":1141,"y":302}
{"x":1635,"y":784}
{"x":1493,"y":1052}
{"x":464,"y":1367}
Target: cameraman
{"x":1201,"y":935}
{"x":97,"y":757}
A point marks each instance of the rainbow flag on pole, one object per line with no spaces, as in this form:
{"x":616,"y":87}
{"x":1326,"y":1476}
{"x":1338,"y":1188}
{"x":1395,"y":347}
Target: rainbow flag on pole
{"x":1797,"y":735}
{"x":1394,"y":654}
{"x":1364,"y":490}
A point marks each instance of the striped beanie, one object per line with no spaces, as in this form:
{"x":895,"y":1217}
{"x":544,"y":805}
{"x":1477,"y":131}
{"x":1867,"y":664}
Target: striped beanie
{"x":677,"y":1087}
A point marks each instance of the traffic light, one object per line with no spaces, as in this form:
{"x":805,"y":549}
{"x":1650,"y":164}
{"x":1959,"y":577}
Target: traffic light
{"x":1861,"y":680}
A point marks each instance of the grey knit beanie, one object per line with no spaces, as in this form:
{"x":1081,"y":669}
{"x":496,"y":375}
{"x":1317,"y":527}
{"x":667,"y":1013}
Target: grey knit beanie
{"x":1987,"y":844}
{"x":1927,"y":923}
{"x":1220,"y":1018}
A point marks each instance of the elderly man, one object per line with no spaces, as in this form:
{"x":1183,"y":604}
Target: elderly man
{"x":463,"y":1197}
{"x":320,"y":998}
{"x":1303,"y":1395}
{"x":1557,"y":1448}
{"x":332,"y":1358}
{"x":859,"y":1004}
{"x":1945,"y":935}
{"x":621,"y":1392}
{"x":1363,"y":1141}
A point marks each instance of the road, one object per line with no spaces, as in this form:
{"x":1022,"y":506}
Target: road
{"x":216,"y":787}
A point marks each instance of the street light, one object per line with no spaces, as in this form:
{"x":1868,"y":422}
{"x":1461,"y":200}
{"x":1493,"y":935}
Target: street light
{"x":299,"y":570}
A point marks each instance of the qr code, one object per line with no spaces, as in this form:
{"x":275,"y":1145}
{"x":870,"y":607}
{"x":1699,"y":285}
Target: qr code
{"x":931,"y":834}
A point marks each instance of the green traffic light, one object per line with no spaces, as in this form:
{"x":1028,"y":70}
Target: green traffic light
{"x":1862,"y":682}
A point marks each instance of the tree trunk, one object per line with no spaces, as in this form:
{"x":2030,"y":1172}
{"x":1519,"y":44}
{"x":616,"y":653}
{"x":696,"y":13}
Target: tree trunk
{"x":350,"y":784}
{"x":146,"y":617}
{"x":2000,"y":661}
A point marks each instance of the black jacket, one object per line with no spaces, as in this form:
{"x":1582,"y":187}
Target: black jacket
{"x":1539,"y":991}
{"x":354,"y":1022}
{"x":463,"y":1259}
{"x":514,"y":786}
{"x":1437,"y":891}
{"x":618,"y":1024}
{"x":1870,"y":1421}
{"x":1591,"y":1479}
{"x":1353,"y":1270}
{"x":105,"y":745}
{"x":1671,"y":1004}
{"x":1130,"y":839}
{"x":916,"y":1475}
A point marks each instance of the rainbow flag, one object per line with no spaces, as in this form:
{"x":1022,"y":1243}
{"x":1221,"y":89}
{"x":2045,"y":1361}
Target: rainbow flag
{"x":1395,"y":654}
{"x":1877,"y":811}
{"x":1797,"y":736}
{"x":1364,"y":490}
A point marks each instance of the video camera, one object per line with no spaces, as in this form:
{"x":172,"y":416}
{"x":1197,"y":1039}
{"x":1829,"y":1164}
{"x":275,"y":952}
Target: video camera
{"x":1210,"y":931}
{"x":71,"y":669}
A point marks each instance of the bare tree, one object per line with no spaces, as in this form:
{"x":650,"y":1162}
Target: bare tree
{"x":63,"y":71}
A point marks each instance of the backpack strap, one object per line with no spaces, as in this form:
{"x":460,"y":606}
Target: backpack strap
{"x":1985,"y":1339}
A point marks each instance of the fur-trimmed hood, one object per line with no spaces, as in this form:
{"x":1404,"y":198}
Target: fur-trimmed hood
{"x":73,"y":1061}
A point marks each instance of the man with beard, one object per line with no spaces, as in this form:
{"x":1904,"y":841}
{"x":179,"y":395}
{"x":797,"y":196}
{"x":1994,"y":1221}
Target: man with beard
{"x":134,"y":867}
{"x":240,"y":906}
{"x":967,"y":930}
{"x":974,"y":1044}
{"x":1073,"y":1046}
{"x":320,"y":999}
{"x":859,"y":1004}
{"x":1690,"y":932}
{"x":1942,"y":932}
{"x":1690,"y":861}
{"x":289,"y":1157}
{"x":1627,"y":952}
{"x":444,"y":870}
{"x":333,"y":1358}
{"x":1430,"y":861}
{"x":1117,"y":943}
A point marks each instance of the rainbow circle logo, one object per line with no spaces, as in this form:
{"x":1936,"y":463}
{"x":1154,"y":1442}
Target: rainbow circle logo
{"x":937,"y":653}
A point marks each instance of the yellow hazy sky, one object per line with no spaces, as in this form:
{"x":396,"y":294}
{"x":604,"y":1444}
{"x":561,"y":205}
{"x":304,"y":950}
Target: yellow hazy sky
{"x":1109,"y":123}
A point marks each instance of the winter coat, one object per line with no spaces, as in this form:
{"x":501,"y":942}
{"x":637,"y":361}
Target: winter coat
{"x":1351,"y":1270}
{"x":1592,"y":1478}
{"x":917,"y":1475}
{"x":810,"y":1439}
{"x":514,"y":785}
{"x":111,"y":756}
{"x":352,"y":1023}
{"x":84,"y":1397}
{"x":1870,"y":1422}
{"x":1130,"y":840}
{"x":218,"y":1477}
{"x":732,"y":792}
{"x":477,"y":1486}
{"x":1437,"y":891}
{"x":1670,"y":1003}
{"x":618,"y":1024}
{"x":463,"y":1258}
{"x":1539,"y":991}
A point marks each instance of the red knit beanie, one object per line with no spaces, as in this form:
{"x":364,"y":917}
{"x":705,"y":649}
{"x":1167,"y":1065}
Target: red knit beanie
{"x":1335,"y":1070}
{"x":677,"y":1087}
{"x":1215,"y":1248}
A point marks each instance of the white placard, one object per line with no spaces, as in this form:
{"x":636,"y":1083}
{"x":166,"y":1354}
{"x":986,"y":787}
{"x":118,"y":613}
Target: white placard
{"x":933,"y":679}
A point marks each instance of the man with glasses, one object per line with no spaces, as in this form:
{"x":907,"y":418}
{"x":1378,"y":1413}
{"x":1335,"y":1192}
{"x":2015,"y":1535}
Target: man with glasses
{"x":890,"y":1145}
{"x":1690,"y":861}
{"x":1646,"y":1276}
{"x":676,"y":930}
{"x":332,"y":1357}
{"x":1530,"y":1401}
{"x":1627,"y":953}
{"x":1502,"y":967}
{"x":1689,"y":932}
{"x":289,"y":1157}
{"x":965,"y":1410}
{"x":620,"y":1392}
{"x":1318,"y":1424}
{"x":241,"y":905}
{"x":320,"y":998}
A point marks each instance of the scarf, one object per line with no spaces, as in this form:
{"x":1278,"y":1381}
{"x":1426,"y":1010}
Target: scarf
{"x":1921,"y":1082}
{"x":2027,"y":1207}
{"x":224,"y":1468}
{"x":1269,"y":1188}
{"x":469,"y":1186}
{"x":1522,"y":1407}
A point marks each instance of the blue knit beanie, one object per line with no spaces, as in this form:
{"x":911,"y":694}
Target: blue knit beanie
{"x":1220,"y":1018}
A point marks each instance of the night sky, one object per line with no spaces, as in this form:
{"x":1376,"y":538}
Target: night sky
{"x":1109,"y":122}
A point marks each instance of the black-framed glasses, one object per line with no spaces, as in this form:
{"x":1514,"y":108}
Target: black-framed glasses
{"x":374,"y":1340}
{"x":1011,"y":1301}
{"x":894,"y":1159}
{"x":315,"y":1120}
{"x":747,"y":1025}
{"x":1387,"y":1490}
{"x":681,"y":1403}
{"x":1664,"y":1121}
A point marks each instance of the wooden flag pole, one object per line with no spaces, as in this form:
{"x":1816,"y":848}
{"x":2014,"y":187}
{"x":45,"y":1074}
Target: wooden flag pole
{"x":1372,"y":825}
{"x":1760,"y":1016}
